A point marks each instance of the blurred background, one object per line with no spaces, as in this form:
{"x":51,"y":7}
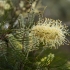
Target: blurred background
{"x":57,"y":9}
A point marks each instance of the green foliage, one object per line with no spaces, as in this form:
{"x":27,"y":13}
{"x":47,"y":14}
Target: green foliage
{"x":18,"y":50}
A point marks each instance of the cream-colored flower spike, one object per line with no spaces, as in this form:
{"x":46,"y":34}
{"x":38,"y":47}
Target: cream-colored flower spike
{"x":50,"y":32}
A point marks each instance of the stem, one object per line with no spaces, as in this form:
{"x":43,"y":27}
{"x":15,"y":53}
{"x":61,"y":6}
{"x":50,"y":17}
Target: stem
{"x":27,"y":55}
{"x":21,"y":66}
{"x":41,"y":52}
{"x":48,"y":68}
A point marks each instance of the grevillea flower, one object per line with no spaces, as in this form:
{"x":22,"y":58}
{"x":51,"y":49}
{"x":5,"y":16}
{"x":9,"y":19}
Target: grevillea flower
{"x":50,"y":32}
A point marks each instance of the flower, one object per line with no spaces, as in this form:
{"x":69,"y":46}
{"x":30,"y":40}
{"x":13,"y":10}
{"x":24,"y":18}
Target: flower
{"x":43,"y":59}
{"x":2,"y":3}
{"x":1,"y":12}
{"x":50,"y":32}
{"x":21,"y":4}
{"x":4,"y":6}
{"x":68,"y":64}
{"x":7,"y":6}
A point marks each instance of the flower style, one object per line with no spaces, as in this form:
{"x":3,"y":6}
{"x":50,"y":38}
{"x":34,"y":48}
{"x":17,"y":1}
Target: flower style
{"x":50,"y":32}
